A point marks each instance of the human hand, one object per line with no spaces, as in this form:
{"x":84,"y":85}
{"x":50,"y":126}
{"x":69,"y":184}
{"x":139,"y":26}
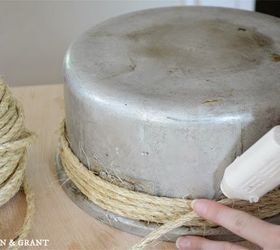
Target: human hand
{"x":263,"y":234}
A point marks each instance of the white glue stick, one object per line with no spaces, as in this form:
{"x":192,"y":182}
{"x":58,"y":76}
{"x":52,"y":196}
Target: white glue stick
{"x":256,"y":171}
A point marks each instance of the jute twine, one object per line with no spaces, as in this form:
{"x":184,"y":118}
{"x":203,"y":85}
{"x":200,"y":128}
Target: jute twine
{"x":170,"y":212}
{"x":14,"y":139}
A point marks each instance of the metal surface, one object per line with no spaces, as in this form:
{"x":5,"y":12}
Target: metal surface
{"x":133,"y":226}
{"x":165,"y":99}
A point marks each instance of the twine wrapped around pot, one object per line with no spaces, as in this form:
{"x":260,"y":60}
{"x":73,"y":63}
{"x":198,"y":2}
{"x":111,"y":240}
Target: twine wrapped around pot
{"x":14,"y":140}
{"x":171,"y":212}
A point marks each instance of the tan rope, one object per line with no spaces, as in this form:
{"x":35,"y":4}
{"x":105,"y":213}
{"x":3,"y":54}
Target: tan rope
{"x":172,"y":212}
{"x":14,"y":139}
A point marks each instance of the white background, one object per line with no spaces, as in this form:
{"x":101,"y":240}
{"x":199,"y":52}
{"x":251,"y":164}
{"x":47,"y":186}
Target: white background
{"x":34,"y":35}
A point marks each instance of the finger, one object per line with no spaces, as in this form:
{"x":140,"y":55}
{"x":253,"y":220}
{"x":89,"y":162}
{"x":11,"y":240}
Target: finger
{"x":199,"y":243}
{"x":238,"y":222}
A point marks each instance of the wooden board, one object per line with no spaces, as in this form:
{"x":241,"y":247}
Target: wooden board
{"x":57,"y":218}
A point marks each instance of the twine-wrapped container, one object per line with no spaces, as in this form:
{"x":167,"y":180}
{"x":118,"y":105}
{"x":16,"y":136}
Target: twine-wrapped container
{"x":14,"y":142}
{"x":161,"y":101}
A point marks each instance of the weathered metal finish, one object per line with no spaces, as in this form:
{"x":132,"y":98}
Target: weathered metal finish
{"x":165,"y":99}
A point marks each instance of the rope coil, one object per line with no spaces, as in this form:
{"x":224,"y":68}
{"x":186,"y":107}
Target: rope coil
{"x":14,"y":140}
{"x":171,"y":212}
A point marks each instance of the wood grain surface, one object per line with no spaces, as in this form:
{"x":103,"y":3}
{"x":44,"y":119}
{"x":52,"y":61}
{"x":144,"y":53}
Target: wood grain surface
{"x":57,"y":218}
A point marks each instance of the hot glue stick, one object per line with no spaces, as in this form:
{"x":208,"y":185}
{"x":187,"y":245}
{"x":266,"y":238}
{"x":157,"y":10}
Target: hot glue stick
{"x":256,"y":171}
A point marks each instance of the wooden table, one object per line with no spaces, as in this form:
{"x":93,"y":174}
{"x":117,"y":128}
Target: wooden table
{"x":57,"y":218}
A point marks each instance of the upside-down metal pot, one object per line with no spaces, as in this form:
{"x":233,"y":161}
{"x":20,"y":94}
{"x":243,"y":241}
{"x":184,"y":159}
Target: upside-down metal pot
{"x":165,"y":99}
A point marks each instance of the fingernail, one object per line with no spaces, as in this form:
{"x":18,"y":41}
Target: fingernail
{"x":199,"y":206}
{"x":183,"y":243}
{"x":192,"y":204}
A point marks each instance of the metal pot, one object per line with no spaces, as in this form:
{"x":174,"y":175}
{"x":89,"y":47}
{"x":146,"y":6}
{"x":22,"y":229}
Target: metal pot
{"x":164,"y":99}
